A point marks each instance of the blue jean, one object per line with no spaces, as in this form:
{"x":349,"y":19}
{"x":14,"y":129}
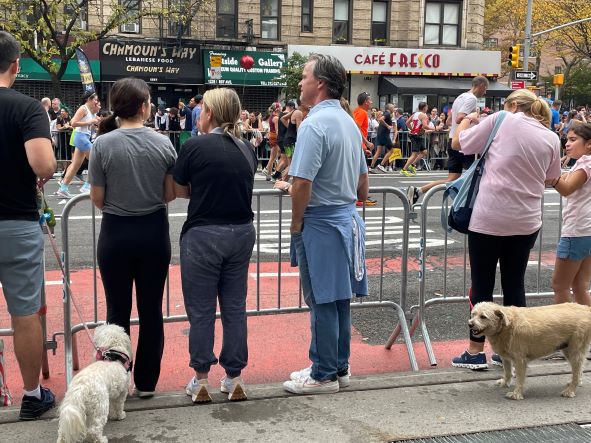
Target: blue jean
{"x":214,"y":266}
{"x":330,"y":326}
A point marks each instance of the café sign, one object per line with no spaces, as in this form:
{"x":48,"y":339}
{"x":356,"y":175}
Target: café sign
{"x":223,"y":68}
{"x":154,"y":62}
{"x":410,"y":61}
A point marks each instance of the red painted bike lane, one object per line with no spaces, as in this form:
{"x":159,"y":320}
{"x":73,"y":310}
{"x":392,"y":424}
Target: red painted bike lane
{"x":278,"y":344}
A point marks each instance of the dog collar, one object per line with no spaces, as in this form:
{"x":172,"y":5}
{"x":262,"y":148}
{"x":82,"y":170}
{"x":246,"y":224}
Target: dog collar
{"x":112,"y":355}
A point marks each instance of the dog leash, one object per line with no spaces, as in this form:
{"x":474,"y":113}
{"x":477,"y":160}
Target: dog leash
{"x":45,"y":219}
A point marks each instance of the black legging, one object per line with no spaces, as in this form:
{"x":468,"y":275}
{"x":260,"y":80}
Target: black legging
{"x":512,"y":253}
{"x":137,"y":250}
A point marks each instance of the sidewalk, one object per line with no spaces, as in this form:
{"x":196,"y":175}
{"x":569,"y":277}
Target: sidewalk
{"x":374,"y":408}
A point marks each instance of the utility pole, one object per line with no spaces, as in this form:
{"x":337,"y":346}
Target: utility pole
{"x":527,"y":40}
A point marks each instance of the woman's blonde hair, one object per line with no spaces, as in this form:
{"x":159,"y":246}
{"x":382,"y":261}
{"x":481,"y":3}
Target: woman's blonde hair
{"x":225,"y":106}
{"x":532,"y":105}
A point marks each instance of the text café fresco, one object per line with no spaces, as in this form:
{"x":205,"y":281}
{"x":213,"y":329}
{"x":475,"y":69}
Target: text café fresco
{"x":401,"y":59}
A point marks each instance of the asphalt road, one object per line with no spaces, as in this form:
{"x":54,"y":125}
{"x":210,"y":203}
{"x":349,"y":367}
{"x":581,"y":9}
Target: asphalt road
{"x":445,"y":321}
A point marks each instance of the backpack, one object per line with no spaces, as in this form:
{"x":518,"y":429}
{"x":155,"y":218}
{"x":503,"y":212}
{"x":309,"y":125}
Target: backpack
{"x":464,"y":190}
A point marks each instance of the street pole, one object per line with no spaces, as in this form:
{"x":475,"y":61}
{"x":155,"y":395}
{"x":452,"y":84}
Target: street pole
{"x":527,"y":40}
{"x":556,"y":90}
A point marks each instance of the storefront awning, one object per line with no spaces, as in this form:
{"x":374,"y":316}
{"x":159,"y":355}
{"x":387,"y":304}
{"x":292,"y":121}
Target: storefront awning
{"x":435,"y":86}
{"x":31,"y":70}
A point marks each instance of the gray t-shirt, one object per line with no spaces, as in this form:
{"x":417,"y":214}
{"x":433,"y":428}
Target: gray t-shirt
{"x":131,"y":165}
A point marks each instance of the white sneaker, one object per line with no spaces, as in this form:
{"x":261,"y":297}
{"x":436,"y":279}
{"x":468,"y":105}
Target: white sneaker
{"x":389,"y":169}
{"x":63,"y":193}
{"x":304,"y":373}
{"x":310,"y":386}
{"x":143,"y":394}
{"x":234,"y":387}
{"x":373,"y":171}
{"x":381,"y":168}
{"x":198,"y":390}
{"x":85,"y":188}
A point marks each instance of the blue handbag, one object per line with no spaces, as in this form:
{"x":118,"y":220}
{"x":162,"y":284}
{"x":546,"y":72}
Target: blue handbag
{"x":464,"y":190}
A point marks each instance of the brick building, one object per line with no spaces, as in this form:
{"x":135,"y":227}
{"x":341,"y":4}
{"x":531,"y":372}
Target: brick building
{"x":179,"y":56}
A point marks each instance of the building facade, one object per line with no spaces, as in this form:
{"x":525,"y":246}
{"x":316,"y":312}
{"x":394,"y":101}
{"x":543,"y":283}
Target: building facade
{"x":199,"y":44}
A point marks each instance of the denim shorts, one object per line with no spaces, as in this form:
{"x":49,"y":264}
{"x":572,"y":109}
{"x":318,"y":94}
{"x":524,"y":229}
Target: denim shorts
{"x":21,"y":265}
{"x":82,"y":141}
{"x":574,"y":248}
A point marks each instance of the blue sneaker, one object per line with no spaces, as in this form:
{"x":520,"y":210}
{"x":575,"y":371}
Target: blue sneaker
{"x":470,"y":361}
{"x":496,"y":360}
{"x":32,"y":407}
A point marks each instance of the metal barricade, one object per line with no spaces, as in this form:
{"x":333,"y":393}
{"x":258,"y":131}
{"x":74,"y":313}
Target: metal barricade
{"x":398,"y":303}
{"x":418,"y":312}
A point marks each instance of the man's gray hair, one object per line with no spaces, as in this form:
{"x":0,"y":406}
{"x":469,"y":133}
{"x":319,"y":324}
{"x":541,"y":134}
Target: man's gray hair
{"x":479,"y":81}
{"x":330,"y":70}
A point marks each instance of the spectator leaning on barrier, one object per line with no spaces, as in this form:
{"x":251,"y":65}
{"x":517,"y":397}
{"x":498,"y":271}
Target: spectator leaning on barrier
{"x":54,"y":111}
{"x":507,"y":214}
{"x":216,"y":241}
{"x":328,"y":236}
{"x":131,"y":175}
{"x":25,"y":145}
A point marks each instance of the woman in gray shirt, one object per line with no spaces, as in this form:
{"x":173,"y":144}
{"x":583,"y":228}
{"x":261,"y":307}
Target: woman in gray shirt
{"x":130,"y":172}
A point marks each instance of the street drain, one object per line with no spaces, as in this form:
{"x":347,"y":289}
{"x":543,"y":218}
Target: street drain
{"x":568,"y":433}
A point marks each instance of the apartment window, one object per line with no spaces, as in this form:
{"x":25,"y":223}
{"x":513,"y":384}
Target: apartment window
{"x":181,"y":27}
{"x":442,"y":23}
{"x":226,"y":11}
{"x":132,"y":9}
{"x":270,"y":13}
{"x":80,"y":7}
{"x":307,"y":8}
{"x":379,"y":21}
{"x":340,"y":26}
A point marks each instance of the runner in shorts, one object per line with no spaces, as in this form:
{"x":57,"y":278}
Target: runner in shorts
{"x":384,"y":140}
{"x":417,"y":123}
{"x":465,"y":104}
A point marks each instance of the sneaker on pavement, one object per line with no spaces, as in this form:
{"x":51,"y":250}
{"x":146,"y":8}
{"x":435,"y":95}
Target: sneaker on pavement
{"x":370,"y":202}
{"x":142,"y":394}
{"x":470,"y":361}
{"x":310,"y":386}
{"x":342,"y":377}
{"x":32,"y":407}
{"x":85,"y":189}
{"x":412,"y":169}
{"x":63,"y":193}
{"x":234,"y":387}
{"x":381,"y":168}
{"x":405,"y":173}
{"x":496,"y":360}
{"x":412,"y":195}
{"x":389,"y":169}
{"x":557,"y":355}
{"x":373,"y":171}
{"x":198,"y":390}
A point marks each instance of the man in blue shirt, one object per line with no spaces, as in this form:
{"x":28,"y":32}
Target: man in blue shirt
{"x":196,"y":114}
{"x":555,"y":124}
{"x":187,"y":112}
{"x":328,"y":236}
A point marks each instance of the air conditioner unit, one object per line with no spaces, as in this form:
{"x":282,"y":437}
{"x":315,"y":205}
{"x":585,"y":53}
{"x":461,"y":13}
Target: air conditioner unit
{"x":132,"y":28}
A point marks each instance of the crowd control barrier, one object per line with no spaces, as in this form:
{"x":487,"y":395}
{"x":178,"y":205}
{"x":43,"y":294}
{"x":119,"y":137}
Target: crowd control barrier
{"x":398,"y":302}
{"x":418,"y":312}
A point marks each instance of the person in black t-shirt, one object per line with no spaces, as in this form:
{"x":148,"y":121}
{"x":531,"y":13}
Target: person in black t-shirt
{"x":26,"y":153}
{"x":384,"y":140}
{"x":216,"y":172}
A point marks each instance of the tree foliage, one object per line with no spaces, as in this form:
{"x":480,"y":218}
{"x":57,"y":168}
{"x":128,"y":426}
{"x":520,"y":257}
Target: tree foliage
{"x":49,"y":31}
{"x":291,"y":72}
{"x":578,"y":85}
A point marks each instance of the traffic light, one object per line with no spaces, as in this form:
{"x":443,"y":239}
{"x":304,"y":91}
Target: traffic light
{"x":514,"y":56}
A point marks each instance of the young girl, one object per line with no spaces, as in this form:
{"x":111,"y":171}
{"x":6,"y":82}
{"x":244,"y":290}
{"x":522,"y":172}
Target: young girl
{"x":572,"y":270}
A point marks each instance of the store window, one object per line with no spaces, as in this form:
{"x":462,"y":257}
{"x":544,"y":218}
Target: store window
{"x":227,"y":25}
{"x":270,"y":22}
{"x":307,"y":8}
{"x":70,"y":9}
{"x":442,"y":23}
{"x":132,"y":9}
{"x":379,"y":22}
{"x":341,"y":29}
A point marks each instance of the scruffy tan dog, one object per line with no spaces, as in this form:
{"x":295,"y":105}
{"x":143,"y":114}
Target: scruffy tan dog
{"x":520,"y":335}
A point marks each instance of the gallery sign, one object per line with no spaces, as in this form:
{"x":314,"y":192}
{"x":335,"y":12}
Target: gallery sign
{"x":154,"y":62}
{"x":225,"y":68}
{"x":409,"y":61}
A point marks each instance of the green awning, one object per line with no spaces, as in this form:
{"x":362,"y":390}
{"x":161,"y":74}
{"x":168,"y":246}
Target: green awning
{"x":31,"y":70}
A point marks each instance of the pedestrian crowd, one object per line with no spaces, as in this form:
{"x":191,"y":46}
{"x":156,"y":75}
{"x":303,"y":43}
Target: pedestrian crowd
{"x":321,"y":154}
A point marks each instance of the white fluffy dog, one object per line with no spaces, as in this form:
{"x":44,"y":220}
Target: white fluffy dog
{"x":97,"y":392}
